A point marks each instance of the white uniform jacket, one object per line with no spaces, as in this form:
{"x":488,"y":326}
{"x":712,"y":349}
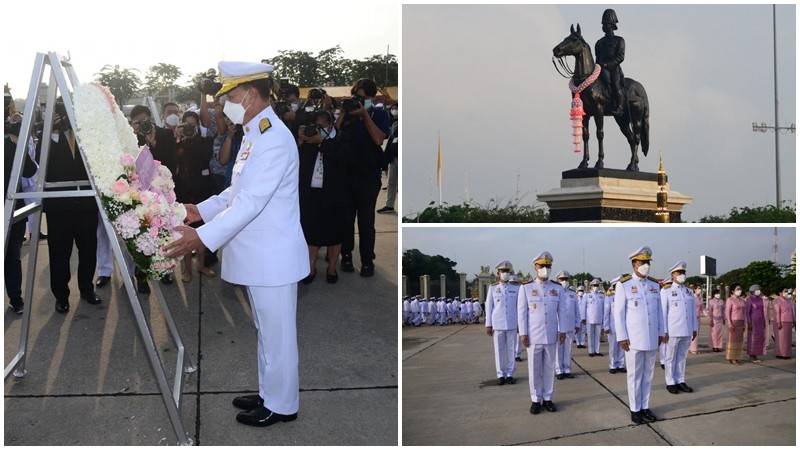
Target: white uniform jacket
{"x":541,"y":310}
{"x":257,"y":219}
{"x":637,"y":312}
{"x":595,"y":304}
{"x":501,"y":306}
{"x":677,"y":306}
{"x":582,"y":306}
{"x":570,"y":310}
{"x":608,"y":315}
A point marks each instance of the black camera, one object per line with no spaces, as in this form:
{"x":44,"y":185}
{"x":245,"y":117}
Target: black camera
{"x":311,"y":130}
{"x":281,"y":108}
{"x":316,"y":94}
{"x":209,"y":84}
{"x":283,"y":90}
{"x":145,"y":126}
{"x":189,"y":130}
{"x":351,"y":104}
{"x":12,"y":127}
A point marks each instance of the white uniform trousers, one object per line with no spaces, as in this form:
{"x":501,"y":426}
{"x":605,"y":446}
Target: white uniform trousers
{"x":541,"y":362}
{"x":518,"y":347}
{"x":105,"y":257}
{"x":275,"y":316}
{"x":417,"y":319}
{"x":504,"y":352}
{"x":640,"y":364}
{"x":564,"y":355}
{"x":662,"y":353}
{"x":616,"y":356}
{"x":580,"y":336}
{"x":442,"y":317}
{"x":593,"y":330}
{"x":675,"y":363}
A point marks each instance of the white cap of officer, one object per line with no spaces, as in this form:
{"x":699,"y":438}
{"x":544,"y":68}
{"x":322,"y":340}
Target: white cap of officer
{"x":680,"y":265}
{"x":234,"y":73}
{"x":641,"y":254}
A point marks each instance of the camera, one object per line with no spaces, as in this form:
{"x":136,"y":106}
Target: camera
{"x":189,"y":130}
{"x":281,"y":108}
{"x":145,"y":126}
{"x":283,"y":90}
{"x":209,"y":84}
{"x":351,"y":104}
{"x":12,"y":127}
{"x":316,"y":94}
{"x":311,"y":130}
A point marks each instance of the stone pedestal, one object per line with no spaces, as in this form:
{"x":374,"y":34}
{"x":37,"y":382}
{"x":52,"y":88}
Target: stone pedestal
{"x":425,"y":285}
{"x":462,"y":284}
{"x":609,"y":195}
{"x":443,"y":285}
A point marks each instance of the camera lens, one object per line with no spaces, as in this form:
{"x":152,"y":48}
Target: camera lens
{"x":189,"y":130}
{"x":145,"y":126}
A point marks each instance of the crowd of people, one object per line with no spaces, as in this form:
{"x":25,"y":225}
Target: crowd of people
{"x":344,"y":145}
{"x":639,"y":316}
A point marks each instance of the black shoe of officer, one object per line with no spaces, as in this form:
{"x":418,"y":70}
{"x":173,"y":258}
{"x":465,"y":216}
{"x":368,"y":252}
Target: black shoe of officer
{"x":548,"y":405}
{"x":367,"y":269}
{"x":92,"y":298}
{"x":673,"y":388}
{"x":263,"y":417}
{"x":622,"y":369}
{"x":17,"y":306}
{"x":102,"y":281}
{"x":347,"y":262}
{"x":648,"y":415}
{"x":501,"y":381}
{"x":510,"y":380}
{"x":612,"y":371}
{"x":62,"y":306}
{"x":535,"y":408}
{"x":518,"y":359}
{"x":248,"y":402}
{"x":685,"y":388}
{"x":559,"y":377}
{"x":636,"y":417}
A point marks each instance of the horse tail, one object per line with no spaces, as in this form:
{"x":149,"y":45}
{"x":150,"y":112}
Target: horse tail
{"x":646,"y":128}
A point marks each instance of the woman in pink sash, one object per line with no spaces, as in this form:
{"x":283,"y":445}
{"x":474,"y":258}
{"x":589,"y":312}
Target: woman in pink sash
{"x":699,"y":308}
{"x":716,"y":309}
{"x":734,"y":314}
{"x":784,"y":322}
{"x":756,"y":323}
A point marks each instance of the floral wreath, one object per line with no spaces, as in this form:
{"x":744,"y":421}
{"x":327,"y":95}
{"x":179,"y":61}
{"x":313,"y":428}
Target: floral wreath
{"x":136,"y":191}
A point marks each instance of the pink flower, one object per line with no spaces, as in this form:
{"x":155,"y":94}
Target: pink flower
{"x":153,"y":231}
{"x":120,"y":186}
{"x":171,"y":197}
{"x":126,"y":159}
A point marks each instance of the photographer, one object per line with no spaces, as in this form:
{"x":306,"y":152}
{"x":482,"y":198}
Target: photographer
{"x":212,"y":118}
{"x":70,"y":220}
{"x":13,"y":260}
{"x":322,"y":194}
{"x":288,"y":106}
{"x":171,"y":115}
{"x":160,"y":140}
{"x":391,"y":158}
{"x":193,"y":182}
{"x":232,"y":141}
{"x":363,"y":129}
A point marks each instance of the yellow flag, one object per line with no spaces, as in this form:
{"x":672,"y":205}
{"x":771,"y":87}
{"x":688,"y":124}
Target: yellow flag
{"x":439,"y":165}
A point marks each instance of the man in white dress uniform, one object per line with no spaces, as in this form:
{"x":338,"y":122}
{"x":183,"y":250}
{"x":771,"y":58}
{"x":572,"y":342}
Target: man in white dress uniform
{"x":677,"y":306}
{"x":571,"y":316}
{"x":501,"y":322}
{"x":257,"y":222}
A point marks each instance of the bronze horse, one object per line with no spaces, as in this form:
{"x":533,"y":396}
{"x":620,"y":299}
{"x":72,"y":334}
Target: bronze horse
{"x":597,"y":102}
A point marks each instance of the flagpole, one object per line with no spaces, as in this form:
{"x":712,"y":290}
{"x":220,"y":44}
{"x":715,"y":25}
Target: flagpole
{"x":439,"y":168}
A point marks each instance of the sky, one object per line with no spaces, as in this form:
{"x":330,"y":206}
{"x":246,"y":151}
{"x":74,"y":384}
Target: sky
{"x":482,"y":77}
{"x":601,"y":251}
{"x":193,"y":36}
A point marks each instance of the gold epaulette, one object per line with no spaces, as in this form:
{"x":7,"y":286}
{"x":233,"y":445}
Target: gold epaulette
{"x":666,"y":285}
{"x":515,"y":283}
{"x":495,"y":283}
{"x":652,"y":279}
{"x":529,"y":282}
{"x":625,"y":277}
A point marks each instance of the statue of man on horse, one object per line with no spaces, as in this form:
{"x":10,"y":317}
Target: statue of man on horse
{"x":623,"y":98}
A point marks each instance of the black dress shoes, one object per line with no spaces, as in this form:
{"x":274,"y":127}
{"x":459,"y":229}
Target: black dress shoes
{"x":568,"y":375}
{"x":673,"y":388}
{"x":263,"y":417}
{"x":248,"y":402}
{"x":622,"y":369}
{"x":662,"y":366}
{"x":510,"y":380}
{"x":535,"y":408}
{"x":648,"y":415}
{"x":92,"y":299}
{"x":347,"y":262}
{"x":367,"y":270}
{"x":62,"y":306}
{"x":332,"y":279}
{"x":559,"y":376}
{"x":548,"y":405}
{"x":591,"y":355}
{"x":612,"y":371}
{"x":636,"y":417}
{"x":18,"y":307}
{"x":518,"y":359}
{"x":598,"y":354}
{"x":102,"y":281}
{"x":501,"y":381}
{"x":685,"y":388}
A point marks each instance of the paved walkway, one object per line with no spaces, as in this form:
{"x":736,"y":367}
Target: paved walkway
{"x":89,"y":381}
{"x":450,"y":397}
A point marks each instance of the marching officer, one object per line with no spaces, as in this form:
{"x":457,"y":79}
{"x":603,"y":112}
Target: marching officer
{"x":616,"y":361}
{"x":476,"y":310}
{"x":595,"y":304}
{"x":639,"y":324}
{"x":414,"y":309}
{"x":677,"y":306}
{"x":580,"y":336}
{"x":542,"y":326}
{"x":501,"y":322}
{"x":610,"y":52}
{"x":571,"y":316}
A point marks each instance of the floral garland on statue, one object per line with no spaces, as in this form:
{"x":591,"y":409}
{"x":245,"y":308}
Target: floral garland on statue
{"x":137,"y":192}
{"x":576,"y":113}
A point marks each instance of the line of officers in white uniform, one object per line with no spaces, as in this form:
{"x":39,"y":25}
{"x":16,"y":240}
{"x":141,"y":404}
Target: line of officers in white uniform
{"x":637,"y":317}
{"x":418,"y":311}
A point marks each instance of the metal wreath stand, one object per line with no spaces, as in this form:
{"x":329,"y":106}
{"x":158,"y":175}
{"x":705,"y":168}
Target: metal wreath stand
{"x":61,"y":71}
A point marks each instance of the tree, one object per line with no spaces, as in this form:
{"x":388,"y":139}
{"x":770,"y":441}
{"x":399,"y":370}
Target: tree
{"x":471,"y":212}
{"x":122,"y":83}
{"x":416,"y":264}
{"x":695,"y":280}
{"x":763,"y":273}
{"x":375,"y":67}
{"x":332,"y":69}
{"x":733,"y":276}
{"x":584,"y":278}
{"x":298,"y":66}
{"x":161,"y":79}
{"x":757,"y":214}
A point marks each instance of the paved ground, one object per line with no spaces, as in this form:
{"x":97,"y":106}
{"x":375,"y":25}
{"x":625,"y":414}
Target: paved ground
{"x":89,"y":381}
{"x":450,"y":397}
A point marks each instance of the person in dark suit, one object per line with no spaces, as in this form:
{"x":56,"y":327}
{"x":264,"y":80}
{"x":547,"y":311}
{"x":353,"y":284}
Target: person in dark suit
{"x":13,"y":260}
{"x":70,"y":220}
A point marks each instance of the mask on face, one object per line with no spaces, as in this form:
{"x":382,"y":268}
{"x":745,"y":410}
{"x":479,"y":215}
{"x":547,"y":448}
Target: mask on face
{"x":564,"y":283}
{"x":505,"y":276}
{"x":367,"y":104}
{"x":644,"y":269}
{"x":593,"y":289}
{"x":757,"y":292}
{"x":394,"y":113}
{"x":580,"y":294}
{"x":172,"y":120}
{"x":737,"y":292}
{"x":543,"y":273}
{"x":294,"y":106}
{"x":717,"y":296}
{"x":787,"y":296}
{"x":680,"y":279}
{"x":235,"y":111}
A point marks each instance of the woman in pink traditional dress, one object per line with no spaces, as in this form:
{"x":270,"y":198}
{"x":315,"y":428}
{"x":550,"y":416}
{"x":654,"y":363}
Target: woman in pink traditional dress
{"x":699,"y":308}
{"x":756,"y":323}
{"x":735,"y":315}
{"x":784,"y":322}
{"x":716,"y":309}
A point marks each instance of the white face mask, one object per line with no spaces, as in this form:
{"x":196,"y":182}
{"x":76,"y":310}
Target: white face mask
{"x":235,"y":111}
{"x":564,"y":283}
{"x":644,"y":269}
{"x":394,"y":113}
{"x":505,"y":276}
{"x":172,"y":120}
{"x":543,"y":273}
{"x":367,"y":103}
{"x":593,"y":289}
{"x":737,"y":292}
{"x":757,"y":292}
{"x":716,"y":296}
{"x":680,"y":279}
{"x":580,"y":293}
{"x":787,"y":295}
